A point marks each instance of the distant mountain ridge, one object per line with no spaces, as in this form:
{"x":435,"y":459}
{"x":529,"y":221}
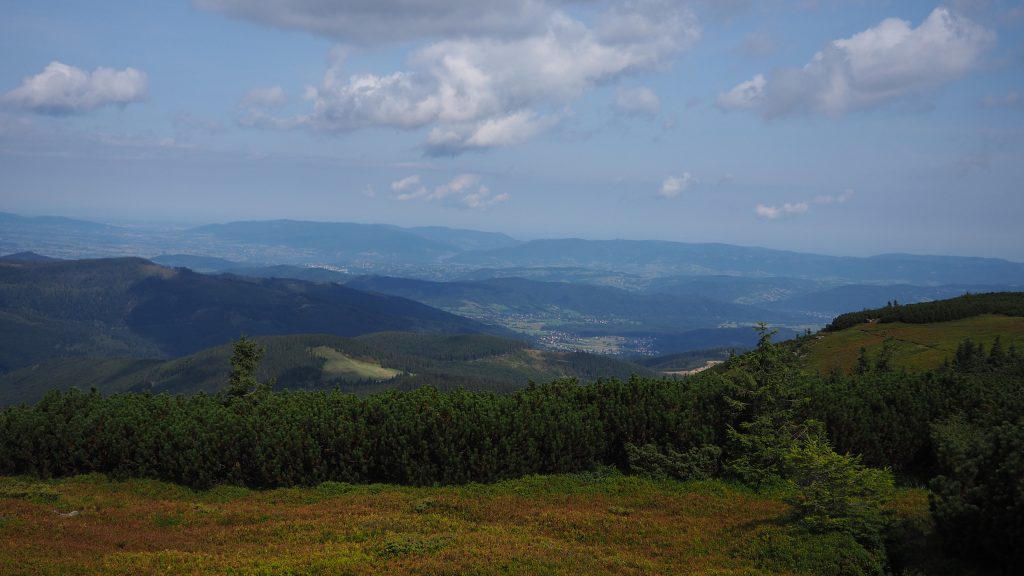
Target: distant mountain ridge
{"x":133,"y":307}
{"x":447,"y":253}
{"x":337,"y":241}
{"x":8,"y":219}
{"x":26,"y":257}
{"x":661,"y":258}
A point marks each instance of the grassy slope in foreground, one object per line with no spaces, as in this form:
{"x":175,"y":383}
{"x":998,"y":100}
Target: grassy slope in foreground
{"x":916,"y":346}
{"x":573,"y":524}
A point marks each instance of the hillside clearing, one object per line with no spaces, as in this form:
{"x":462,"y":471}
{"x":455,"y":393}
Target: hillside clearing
{"x":340,"y":365}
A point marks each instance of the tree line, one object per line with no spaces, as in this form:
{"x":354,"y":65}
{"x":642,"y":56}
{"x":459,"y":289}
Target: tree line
{"x":966,"y":306}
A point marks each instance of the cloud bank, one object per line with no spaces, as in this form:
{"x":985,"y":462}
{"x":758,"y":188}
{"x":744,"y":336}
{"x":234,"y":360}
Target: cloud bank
{"x":377,"y":22}
{"x":61,"y":89}
{"x":487,"y":88}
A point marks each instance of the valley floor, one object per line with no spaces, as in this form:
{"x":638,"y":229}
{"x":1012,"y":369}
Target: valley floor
{"x":571,"y":524}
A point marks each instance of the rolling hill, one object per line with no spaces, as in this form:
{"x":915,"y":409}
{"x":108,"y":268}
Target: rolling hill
{"x":26,"y":257}
{"x":132,"y":307}
{"x":837,"y":300}
{"x":364,"y":364}
{"x":920,"y":336}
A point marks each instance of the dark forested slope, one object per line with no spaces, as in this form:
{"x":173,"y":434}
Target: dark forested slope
{"x":132,"y":307}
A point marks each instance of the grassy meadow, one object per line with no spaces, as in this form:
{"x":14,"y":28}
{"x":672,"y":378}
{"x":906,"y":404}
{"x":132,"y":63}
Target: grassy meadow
{"x":917,"y":347}
{"x":339,"y":365}
{"x":568,"y":524}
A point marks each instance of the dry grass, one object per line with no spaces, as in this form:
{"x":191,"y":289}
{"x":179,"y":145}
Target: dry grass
{"x":537,"y":525}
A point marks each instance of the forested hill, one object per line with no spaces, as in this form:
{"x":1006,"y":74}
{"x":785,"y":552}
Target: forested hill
{"x":966,"y":306}
{"x":364,"y":364}
{"x":915,"y":337}
{"x":132,"y":307}
{"x":27,"y":256}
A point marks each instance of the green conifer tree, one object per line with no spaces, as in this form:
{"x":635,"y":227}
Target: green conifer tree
{"x":245,"y":360}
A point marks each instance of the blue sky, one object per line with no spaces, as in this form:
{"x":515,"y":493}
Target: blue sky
{"x":839,"y":127}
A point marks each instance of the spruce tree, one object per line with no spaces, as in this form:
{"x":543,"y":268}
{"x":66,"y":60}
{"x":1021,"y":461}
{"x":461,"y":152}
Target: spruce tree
{"x":245,"y":360}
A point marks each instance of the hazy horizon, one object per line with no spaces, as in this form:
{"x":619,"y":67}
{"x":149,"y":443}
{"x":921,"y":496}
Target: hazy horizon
{"x":840,"y":128}
{"x":183,"y":226}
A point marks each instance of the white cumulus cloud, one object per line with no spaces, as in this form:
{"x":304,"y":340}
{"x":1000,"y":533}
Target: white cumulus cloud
{"x":775,"y":212}
{"x":405,"y":183}
{"x":675,"y":185}
{"x":887,"y":62}
{"x":483,"y":198}
{"x":480,"y":92}
{"x":63,"y":89}
{"x":493,"y":132}
{"x":462,"y":183}
{"x":747,"y":94}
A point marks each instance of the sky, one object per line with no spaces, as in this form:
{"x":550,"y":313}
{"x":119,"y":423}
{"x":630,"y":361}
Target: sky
{"x":846,"y":127}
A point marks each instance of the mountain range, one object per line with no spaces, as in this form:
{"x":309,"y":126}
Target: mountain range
{"x":658,"y":259}
{"x":608,"y":296}
{"x":445,"y":254}
{"x":133,"y":307}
